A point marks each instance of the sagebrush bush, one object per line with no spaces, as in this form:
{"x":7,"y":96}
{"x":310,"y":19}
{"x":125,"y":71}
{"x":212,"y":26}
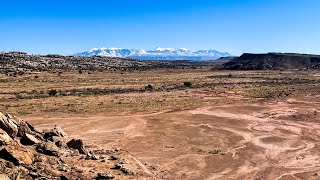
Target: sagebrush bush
{"x":187,"y":84}
{"x":52,"y":92}
{"x":149,"y":87}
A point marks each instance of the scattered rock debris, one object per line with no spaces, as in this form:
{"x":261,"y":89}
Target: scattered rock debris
{"x":26,"y":153}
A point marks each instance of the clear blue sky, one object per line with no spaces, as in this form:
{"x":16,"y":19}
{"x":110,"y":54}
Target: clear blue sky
{"x":236,"y":26}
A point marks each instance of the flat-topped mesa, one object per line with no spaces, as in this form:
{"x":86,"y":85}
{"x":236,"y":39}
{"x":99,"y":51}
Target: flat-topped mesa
{"x":274,"y":61}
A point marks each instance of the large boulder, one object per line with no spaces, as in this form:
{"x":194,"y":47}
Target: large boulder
{"x":103,"y":176}
{"x":8,"y":124}
{"x":59,"y":141}
{"x":17,"y":154}
{"x":4,"y":177}
{"x":77,"y":144}
{"x":56,"y":131}
{"x":48,"y":148}
{"x":28,"y":139}
{"x":5,"y":139}
{"x":23,"y":128}
{"x":26,"y":128}
{"x":60,"y":132}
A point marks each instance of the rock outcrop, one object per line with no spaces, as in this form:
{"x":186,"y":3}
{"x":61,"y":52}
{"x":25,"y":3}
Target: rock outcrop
{"x":77,"y":144}
{"x":17,"y":154}
{"x":28,"y":139}
{"x":26,"y":153}
{"x":5,"y":139}
{"x":8,"y":124}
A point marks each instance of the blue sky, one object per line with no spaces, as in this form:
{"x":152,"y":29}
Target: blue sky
{"x":235,"y":26}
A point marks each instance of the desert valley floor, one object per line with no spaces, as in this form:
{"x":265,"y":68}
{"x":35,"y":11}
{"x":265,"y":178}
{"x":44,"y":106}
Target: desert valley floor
{"x":265,"y":141}
{"x":226,"y":125}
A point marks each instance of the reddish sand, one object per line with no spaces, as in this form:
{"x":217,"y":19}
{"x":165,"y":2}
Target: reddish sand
{"x":279,"y":140}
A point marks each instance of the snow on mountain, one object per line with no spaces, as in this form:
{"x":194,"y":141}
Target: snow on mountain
{"x":156,"y":54}
{"x":210,"y":52}
{"x":170,"y":52}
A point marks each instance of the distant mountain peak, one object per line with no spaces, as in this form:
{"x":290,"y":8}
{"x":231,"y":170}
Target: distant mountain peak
{"x":163,"y":49}
{"x":93,"y":50}
{"x":184,"y":49}
{"x":157,"y":53}
{"x":114,"y":49}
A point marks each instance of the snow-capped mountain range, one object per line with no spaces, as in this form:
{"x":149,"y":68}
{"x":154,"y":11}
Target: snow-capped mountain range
{"x":157,"y":54}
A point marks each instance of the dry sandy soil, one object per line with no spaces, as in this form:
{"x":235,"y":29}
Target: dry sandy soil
{"x":257,"y":141}
{"x":245,"y":131}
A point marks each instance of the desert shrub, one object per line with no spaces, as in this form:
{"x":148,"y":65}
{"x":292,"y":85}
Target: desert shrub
{"x":187,"y":84}
{"x":52,"y":92}
{"x":215,"y":151}
{"x":19,"y":96}
{"x":149,"y":87}
{"x":20,"y":73}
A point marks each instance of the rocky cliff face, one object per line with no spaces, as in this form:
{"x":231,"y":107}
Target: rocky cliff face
{"x":274,"y":61}
{"x":27,"y":153}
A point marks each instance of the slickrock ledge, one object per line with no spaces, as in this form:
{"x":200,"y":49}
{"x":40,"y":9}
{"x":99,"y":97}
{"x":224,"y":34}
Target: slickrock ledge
{"x":26,"y":153}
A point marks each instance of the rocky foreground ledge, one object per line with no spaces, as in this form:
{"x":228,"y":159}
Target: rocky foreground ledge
{"x":27,"y":153}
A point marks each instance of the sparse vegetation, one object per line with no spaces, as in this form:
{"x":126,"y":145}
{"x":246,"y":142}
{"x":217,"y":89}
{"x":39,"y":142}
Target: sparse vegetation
{"x":149,"y":87}
{"x":215,"y":151}
{"x":52,"y":92}
{"x":103,"y":90}
{"x":205,"y":120}
{"x":187,"y":84}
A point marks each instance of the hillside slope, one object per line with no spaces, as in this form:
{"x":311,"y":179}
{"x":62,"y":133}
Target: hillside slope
{"x":17,"y":63}
{"x":274,"y":61}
